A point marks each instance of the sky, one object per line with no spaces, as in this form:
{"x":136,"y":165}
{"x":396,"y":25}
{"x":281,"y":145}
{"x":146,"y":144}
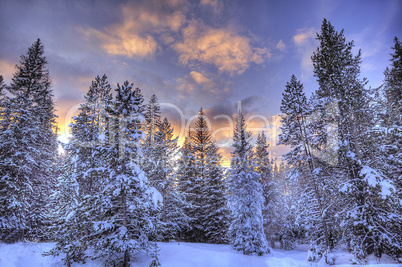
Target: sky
{"x":214,"y":54}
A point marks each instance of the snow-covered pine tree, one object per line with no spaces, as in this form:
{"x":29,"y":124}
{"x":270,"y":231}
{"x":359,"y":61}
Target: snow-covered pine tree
{"x":15,"y":185}
{"x":148,"y":161}
{"x":246,"y":232}
{"x":216,"y":221}
{"x":264,"y":168}
{"x":68,"y":227}
{"x":89,"y":135}
{"x":121,"y":209}
{"x":188,"y":189}
{"x":201,"y":182}
{"x":385,"y":145}
{"x":152,"y":116}
{"x":369,"y":197}
{"x":295,"y":132}
{"x":391,"y":146}
{"x":82,"y":173}
{"x":201,"y":140}
{"x":171,"y":218}
{"x":285,"y":207}
{"x":28,"y":145}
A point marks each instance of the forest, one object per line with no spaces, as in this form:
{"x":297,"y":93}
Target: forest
{"x":122,"y":183}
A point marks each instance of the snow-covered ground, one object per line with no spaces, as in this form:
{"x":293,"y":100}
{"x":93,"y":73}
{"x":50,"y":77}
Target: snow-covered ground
{"x":183,"y":254}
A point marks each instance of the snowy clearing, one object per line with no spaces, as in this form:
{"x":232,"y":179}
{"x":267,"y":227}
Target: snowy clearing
{"x":183,"y":254}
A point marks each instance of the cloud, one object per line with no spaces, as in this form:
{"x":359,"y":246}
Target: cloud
{"x":305,"y":44}
{"x":136,"y":36}
{"x":303,"y":35}
{"x":223,"y":48}
{"x":203,"y":88}
{"x":199,"y":77}
{"x":145,"y":29}
{"x":125,"y":43}
{"x":281,"y":45}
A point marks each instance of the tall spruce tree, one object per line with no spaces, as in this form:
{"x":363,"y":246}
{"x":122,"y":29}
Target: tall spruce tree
{"x":150,"y":126}
{"x":369,"y":201}
{"x":152,"y":114}
{"x":216,"y":221}
{"x":149,"y":148}
{"x":201,"y":182}
{"x":246,"y":232}
{"x":171,"y":217}
{"x":68,"y":226}
{"x":306,"y":170}
{"x":82,"y":173}
{"x":28,"y":148}
{"x":187,"y":185}
{"x":264,"y":168}
{"x":201,"y":140}
{"x":391,"y":145}
{"x":121,"y":208}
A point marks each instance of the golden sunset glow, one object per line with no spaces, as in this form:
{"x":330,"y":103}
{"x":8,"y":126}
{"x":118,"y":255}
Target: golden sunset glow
{"x":208,"y":53}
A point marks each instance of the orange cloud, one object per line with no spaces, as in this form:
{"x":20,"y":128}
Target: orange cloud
{"x":125,"y":43}
{"x":135,"y":36}
{"x":199,"y":77}
{"x":223,"y":48}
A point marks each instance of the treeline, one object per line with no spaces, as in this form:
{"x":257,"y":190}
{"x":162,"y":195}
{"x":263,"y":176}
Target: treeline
{"x":123,"y":182}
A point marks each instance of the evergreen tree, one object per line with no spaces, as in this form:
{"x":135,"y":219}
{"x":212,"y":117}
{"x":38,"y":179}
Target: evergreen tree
{"x":171,"y":216}
{"x":28,"y":148}
{"x":187,"y":186}
{"x":67,"y":222}
{"x":149,"y":148}
{"x":306,"y":167}
{"x":201,"y":182}
{"x":201,"y":141}
{"x":367,"y":209}
{"x":391,"y":145}
{"x":82,"y":173}
{"x":286,"y":203}
{"x":246,"y":232}
{"x":264,"y":168}
{"x":152,"y":116}
{"x":216,"y":221}
{"x":121,"y":209}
